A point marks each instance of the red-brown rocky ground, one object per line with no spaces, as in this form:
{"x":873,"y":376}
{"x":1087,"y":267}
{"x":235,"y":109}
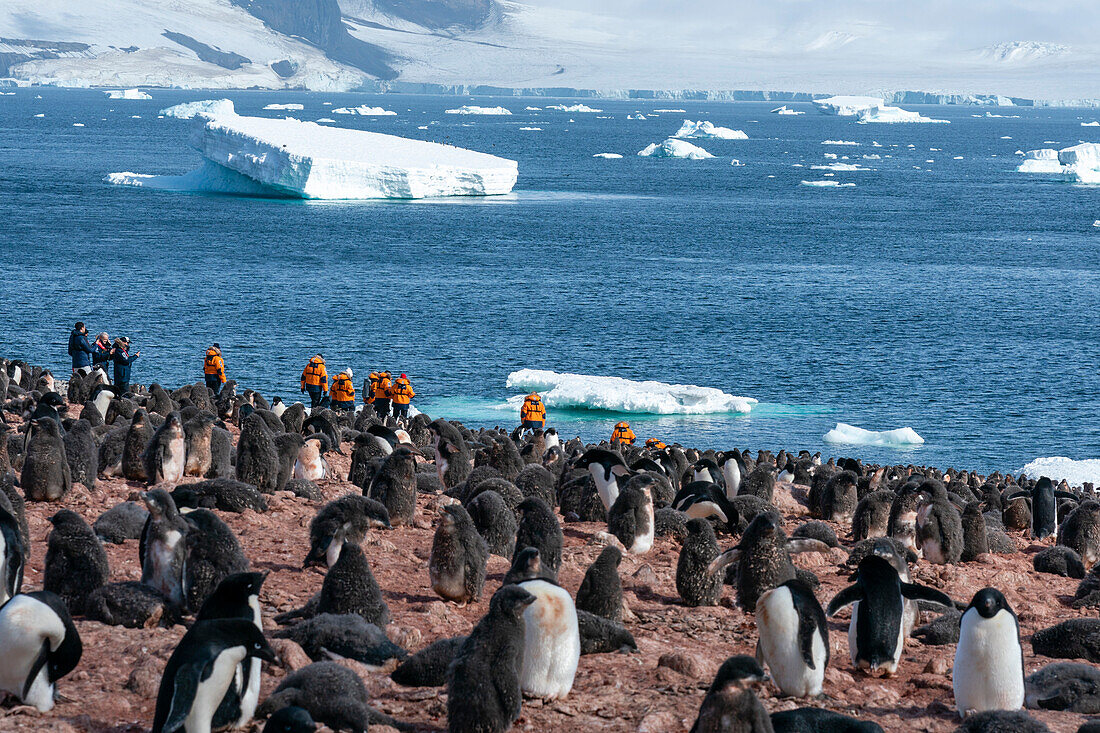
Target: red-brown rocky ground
{"x":114,"y":687}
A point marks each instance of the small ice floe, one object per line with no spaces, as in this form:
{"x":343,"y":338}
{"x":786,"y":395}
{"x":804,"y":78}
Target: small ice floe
{"x":572,"y":108}
{"x":607,"y":155}
{"x":126,"y":94}
{"x":706,"y":130}
{"x":364,"y":111}
{"x":828,"y":184}
{"x":290,"y":107}
{"x":470,"y":109}
{"x":847,"y":434}
{"x":839,"y":142}
{"x":673,"y":148}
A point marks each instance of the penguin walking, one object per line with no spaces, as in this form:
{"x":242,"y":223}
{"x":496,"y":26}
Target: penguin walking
{"x":793,"y":638}
{"x":41,"y":645}
{"x":163,"y":550}
{"x":630,"y":517}
{"x":695,"y":583}
{"x":200,"y":671}
{"x":483,"y":683}
{"x":876,"y":633}
{"x":458,"y":557}
{"x":730,"y":706}
{"x":607,"y":468}
{"x":989,"y":661}
{"x":165,"y":457}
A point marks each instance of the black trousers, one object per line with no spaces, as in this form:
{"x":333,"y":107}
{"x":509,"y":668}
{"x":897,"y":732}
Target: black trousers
{"x":382,"y":407}
{"x":214,"y":383}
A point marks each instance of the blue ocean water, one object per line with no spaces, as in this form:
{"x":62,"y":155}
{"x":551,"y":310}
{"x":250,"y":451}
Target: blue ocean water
{"x":955,"y":296}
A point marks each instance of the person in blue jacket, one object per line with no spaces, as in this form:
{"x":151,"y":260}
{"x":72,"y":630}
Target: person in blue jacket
{"x":102,"y":351}
{"x":79,"y":349}
{"x":123,"y":360}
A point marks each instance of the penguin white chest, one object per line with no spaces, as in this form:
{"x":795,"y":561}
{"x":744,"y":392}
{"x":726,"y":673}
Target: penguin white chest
{"x":4,"y":571}
{"x":988,"y":673}
{"x":24,"y":624}
{"x":552,"y":646}
{"x":607,"y":486}
{"x":102,"y":401}
{"x":643,"y":540}
{"x":310,"y":464}
{"x":165,"y":577}
{"x":777,"y":622}
{"x":172,"y":469}
{"x":441,"y":466}
{"x":210,"y":691}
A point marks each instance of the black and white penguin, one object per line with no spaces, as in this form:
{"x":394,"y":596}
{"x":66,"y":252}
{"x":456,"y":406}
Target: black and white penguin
{"x":705,"y":500}
{"x":539,"y":528}
{"x":350,"y":587}
{"x":483,"y":685}
{"x":163,"y":550}
{"x":346,"y":519}
{"x":46,"y":475}
{"x":278,"y":406}
{"x":101,"y":397}
{"x":213,"y":554}
{"x":12,"y":554}
{"x":82,"y":453}
{"x":1080,"y":531}
{"x":76,"y":563}
{"x":763,"y":558}
{"x":394,"y":485}
{"x":291,"y":719}
{"x":695,"y":583}
{"x":606,"y":467}
{"x":458,"y":558}
{"x":552,"y":643}
{"x":876,"y":633}
{"x":732,"y":466}
{"x":201,"y":670}
{"x":601,"y":591}
{"x":630,"y":517}
{"x":310,"y":463}
{"x":41,"y":645}
{"x":793,"y":638}
{"x":989,"y":662}
{"x":705,"y":469}
{"x":730,"y":706}
{"x":166,"y":455}
{"x":1044,"y":508}
{"x":385,"y":438}
{"x":495,"y":521}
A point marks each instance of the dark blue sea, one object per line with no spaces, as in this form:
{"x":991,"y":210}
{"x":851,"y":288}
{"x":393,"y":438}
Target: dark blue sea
{"x":953,"y":296}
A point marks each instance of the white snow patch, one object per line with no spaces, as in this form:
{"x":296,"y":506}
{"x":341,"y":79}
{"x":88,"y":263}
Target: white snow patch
{"x":847,"y":434}
{"x":470,"y":109}
{"x":607,"y":155}
{"x":202,"y":108}
{"x":364,"y":111}
{"x":704,"y":129}
{"x":289,"y":107}
{"x":1057,"y":468}
{"x":624,"y":395}
{"x":828,"y":184}
{"x":126,"y":94}
{"x":673,"y":148}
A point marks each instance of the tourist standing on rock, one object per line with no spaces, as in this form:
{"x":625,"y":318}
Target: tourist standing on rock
{"x":382,"y":395}
{"x":343,"y":391}
{"x":101,"y":350}
{"x":533,"y":413}
{"x":213,"y":368}
{"x":122,"y":359}
{"x":80,"y":350}
{"x":401,"y":393}
{"x":315,"y":381}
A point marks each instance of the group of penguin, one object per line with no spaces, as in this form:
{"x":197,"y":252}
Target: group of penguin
{"x":501,"y":493}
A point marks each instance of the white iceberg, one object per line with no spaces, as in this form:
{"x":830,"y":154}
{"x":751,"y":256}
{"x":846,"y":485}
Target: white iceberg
{"x":306,"y":160}
{"x":1094,"y":123}
{"x":673,"y":148}
{"x":846,"y":105}
{"x":828,"y":184}
{"x":78,"y":124}
{"x":669,"y":111}
{"x":1078,"y":163}
{"x":704,"y":129}
{"x":607,"y":155}
{"x":785,"y":110}
{"x":290,"y":107}
{"x":208,"y":178}
{"x":469,"y":109}
{"x":1060,"y":467}
{"x":127,"y":94}
{"x":891,"y":115}
{"x":325,"y":119}
{"x":839,"y":167}
{"x":364,"y":111}
{"x":202,"y":108}
{"x":533,"y":109}
{"x":528,"y":129}
{"x":846,"y":434}
{"x":616,"y":394}
{"x":839,"y":142}
{"x":736,"y":163}
{"x":572,"y":108}
{"x":638,"y":116}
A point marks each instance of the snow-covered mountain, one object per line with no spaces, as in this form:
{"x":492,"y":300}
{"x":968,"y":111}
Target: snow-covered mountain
{"x":1038,"y":50}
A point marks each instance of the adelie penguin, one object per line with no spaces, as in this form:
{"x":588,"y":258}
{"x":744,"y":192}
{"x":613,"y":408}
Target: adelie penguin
{"x":395,"y":485}
{"x":495,"y":521}
{"x":163,"y":550}
{"x":552,"y":646}
{"x":46,"y":475}
{"x":607,"y":468}
{"x":459,"y":555}
{"x":12,"y":554}
{"x":989,"y":662}
{"x":347,"y":519}
{"x":876,"y":633}
{"x":82,"y":453}
{"x":939,"y":533}
{"x":1080,"y":531}
{"x":201,"y":670}
{"x":695,"y":583}
{"x":41,"y":645}
{"x":76,"y":563}
{"x":310,"y":462}
{"x":601,"y":591}
{"x":1044,"y":509}
{"x":213,"y":554}
{"x":730,"y":706}
{"x":133,"y":448}
{"x":539,"y":528}
{"x":291,"y":719}
{"x":166,"y":455}
{"x":350,"y":587}
{"x":483,"y":686}
{"x":793,"y":638}
{"x":630,"y":518}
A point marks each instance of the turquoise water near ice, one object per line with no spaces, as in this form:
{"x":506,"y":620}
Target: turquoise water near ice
{"x":956,"y":297}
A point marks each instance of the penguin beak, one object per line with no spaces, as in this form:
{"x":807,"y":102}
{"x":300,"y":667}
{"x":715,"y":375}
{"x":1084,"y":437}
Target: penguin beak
{"x":266,"y":653}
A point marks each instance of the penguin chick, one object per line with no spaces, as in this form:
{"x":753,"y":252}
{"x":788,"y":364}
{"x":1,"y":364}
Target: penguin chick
{"x":76,"y":563}
{"x":346,"y":519}
{"x":162,"y":550}
{"x":601,"y":591}
{"x":729,"y":705}
{"x":600,"y":635}
{"x":630,"y":517}
{"x":291,"y":719}
{"x":332,"y":694}
{"x":1080,"y":531}
{"x":310,"y":463}
{"x":165,"y":456}
{"x":820,"y":720}
{"x":539,"y":528}
{"x":428,"y":667}
{"x":46,"y":475}
{"x":124,"y":521}
{"x":328,"y":636}
{"x":458,"y":558}
{"x":695,"y":583}
{"x":350,"y":587}
{"x":495,"y":522}
{"x":213,"y":554}
{"x":1069,"y":686}
{"x":395,"y":485}
{"x":130,"y":604}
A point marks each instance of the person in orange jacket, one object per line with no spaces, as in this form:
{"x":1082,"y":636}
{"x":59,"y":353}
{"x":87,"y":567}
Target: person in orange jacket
{"x":622,"y":434}
{"x":533,"y":413}
{"x":382,"y":395}
{"x":343,"y":391}
{"x":655,"y":444}
{"x":315,"y":381}
{"x":368,"y":389}
{"x":213,"y":368}
{"x":401,"y":393}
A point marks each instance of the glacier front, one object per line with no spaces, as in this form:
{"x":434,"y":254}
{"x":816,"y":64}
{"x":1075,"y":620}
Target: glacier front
{"x":288,"y":157}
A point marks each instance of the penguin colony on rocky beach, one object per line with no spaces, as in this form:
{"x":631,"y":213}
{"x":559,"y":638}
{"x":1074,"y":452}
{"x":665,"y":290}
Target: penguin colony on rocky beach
{"x":495,"y":493}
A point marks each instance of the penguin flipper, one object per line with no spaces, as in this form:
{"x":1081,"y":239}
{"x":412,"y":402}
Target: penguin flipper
{"x":184,"y":687}
{"x":846,"y":597}
{"x":36,"y":667}
{"x":1019,"y":495}
{"x":1065,"y":495}
{"x":924,"y":593}
{"x":723,"y":561}
{"x":805,"y":544}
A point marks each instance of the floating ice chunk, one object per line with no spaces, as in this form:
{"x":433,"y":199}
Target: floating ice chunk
{"x":847,"y":434}
{"x":1096,"y":223}
{"x":607,"y":155}
{"x":638,"y":116}
{"x":616,"y":394}
{"x":785,"y":110}
{"x":78,"y":124}
{"x":1094,"y":123}
{"x":470,"y":109}
{"x":1006,"y":137}
{"x":289,"y":107}
{"x":307,"y":160}
{"x":1059,"y":467}
{"x":531,"y":129}
{"x":572,"y":108}
{"x":839,"y":142}
{"x":872,"y":156}
{"x":829,"y":156}
{"x":533,"y":109}
{"x":736,"y":163}
{"x":888,"y":115}
{"x":669,"y":111}
{"x":828,"y":184}
{"x":839,"y":167}
{"x":202,"y":108}
{"x":208,"y":178}
{"x":364,"y":111}
{"x":326,"y":119}
{"x":673,"y":148}
{"x":846,"y":105}
{"x":126,"y":94}
{"x":704,"y":129}
{"x":957,"y":157}
{"x":40,"y":114}
{"x":135,"y":117}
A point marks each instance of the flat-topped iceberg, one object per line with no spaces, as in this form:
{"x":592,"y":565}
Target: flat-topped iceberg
{"x":469,"y":109}
{"x":828,"y":184}
{"x":673,"y":148}
{"x":127,"y":94}
{"x":847,"y":105}
{"x":1078,"y":163}
{"x":616,"y":394}
{"x":202,"y":108}
{"x":845,"y":434}
{"x":288,"y":157}
{"x":785,"y":110}
{"x":892,"y":115}
{"x":364,"y":111}
{"x":574,"y":108}
{"x":704,"y":129}
{"x":1060,"y":467}
{"x":290,"y":107}
{"x":607,"y":155}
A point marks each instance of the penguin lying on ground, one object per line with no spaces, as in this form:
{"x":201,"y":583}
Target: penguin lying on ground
{"x":124,"y":521}
{"x":348,"y":635}
{"x":291,"y":719}
{"x":223,"y":494}
{"x":819,"y":720}
{"x":332,"y":694}
{"x":428,"y":667}
{"x":1077,"y":638}
{"x":1069,"y":686}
